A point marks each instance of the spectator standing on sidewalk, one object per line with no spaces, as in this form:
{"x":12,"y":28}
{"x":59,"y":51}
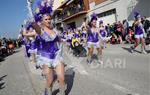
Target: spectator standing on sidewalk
{"x":125,"y":26}
{"x":146,"y":25}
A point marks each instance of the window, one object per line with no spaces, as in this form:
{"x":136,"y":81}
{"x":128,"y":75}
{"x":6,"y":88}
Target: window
{"x":107,"y":13}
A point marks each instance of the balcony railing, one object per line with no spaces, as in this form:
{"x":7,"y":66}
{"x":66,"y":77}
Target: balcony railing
{"x":70,"y":10}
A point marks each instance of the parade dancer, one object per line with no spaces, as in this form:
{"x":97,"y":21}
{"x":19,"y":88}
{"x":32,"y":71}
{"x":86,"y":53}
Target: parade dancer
{"x":69,"y":36}
{"x":139,"y":34}
{"x":93,"y":40}
{"x":84,"y":35}
{"x":31,"y":42}
{"x":50,"y":53}
{"x":29,"y":29}
{"x":103,"y":34}
{"x":77,"y":34}
{"x":26,"y":45}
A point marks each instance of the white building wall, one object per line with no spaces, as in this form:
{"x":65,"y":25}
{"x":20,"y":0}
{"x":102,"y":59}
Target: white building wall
{"x":141,"y":6}
{"x":78,"y":20}
{"x":119,"y":5}
{"x":122,"y":8}
{"x":57,"y":3}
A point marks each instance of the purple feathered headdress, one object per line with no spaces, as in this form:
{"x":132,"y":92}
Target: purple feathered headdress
{"x":38,"y":17}
{"x":137,"y":15}
{"x":93,"y":17}
{"x":44,"y":7}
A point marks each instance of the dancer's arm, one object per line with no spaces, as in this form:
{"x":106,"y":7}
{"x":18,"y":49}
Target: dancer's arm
{"x":28,"y":34}
{"x":37,"y":28}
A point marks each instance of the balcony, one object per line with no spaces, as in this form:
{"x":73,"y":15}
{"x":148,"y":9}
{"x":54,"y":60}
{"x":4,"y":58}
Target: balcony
{"x":70,"y":10}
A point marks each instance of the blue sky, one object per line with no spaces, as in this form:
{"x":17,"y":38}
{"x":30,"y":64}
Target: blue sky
{"x":12,"y":15}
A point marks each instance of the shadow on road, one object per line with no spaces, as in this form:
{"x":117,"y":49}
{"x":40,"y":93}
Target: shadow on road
{"x":2,"y":83}
{"x":69,"y":79}
{"x":69,"y":76}
{"x":148,"y":51}
{"x":127,"y":49}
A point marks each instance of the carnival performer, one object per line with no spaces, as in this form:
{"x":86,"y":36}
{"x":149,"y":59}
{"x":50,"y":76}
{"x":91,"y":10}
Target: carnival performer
{"x":25,"y":42}
{"x":69,"y":36}
{"x":32,"y":49}
{"x":84,"y":35}
{"x":103,"y":34}
{"x":50,"y":49}
{"x":139,"y":34}
{"x":77,"y":34}
{"x":93,"y":40}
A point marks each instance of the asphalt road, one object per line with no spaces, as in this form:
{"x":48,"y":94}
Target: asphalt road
{"x":122,"y":73}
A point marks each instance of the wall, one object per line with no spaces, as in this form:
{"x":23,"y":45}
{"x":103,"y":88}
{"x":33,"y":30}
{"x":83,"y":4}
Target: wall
{"x":119,"y":5}
{"x":142,"y":6}
{"x":122,"y":8}
{"x":78,"y":20}
{"x":57,"y":3}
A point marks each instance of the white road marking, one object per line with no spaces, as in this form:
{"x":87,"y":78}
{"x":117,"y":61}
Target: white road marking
{"x":123,"y":89}
{"x":118,"y":87}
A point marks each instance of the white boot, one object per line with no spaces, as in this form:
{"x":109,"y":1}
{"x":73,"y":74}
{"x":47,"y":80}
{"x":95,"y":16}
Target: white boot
{"x":143,"y":50}
{"x":100,"y":59}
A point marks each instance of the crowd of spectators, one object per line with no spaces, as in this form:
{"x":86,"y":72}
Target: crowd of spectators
{"x":7,"y":46}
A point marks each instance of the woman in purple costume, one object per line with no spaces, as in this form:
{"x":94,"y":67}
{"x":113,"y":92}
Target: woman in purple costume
{"x":103,"y":34}
{"x":31,"y":40}
{"x":93,"y":40}
{"x":139,"y":34}
{"x":50,"y":54}
{"x":69,"y":36}
{"x":77,"y":34}
{"x":26,"y":46}
{"x":84,"y":34}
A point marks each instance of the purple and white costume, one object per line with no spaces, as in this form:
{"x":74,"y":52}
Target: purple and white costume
{"x":49,"y":50}
{"x":33,"y":48}
{"x":84,"y":34}
{"x":139,"y":31}
{"x":103,"y":33}
{"x":93,"y":38}
{"x":26,"y":46}
{"x":77,"y":35}
{"x":69,"y":38}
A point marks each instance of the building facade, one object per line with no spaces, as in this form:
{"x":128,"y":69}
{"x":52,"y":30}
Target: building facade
{"x":118,"y":10}
{"x":71,"y":13}
{"x":57,"y":3}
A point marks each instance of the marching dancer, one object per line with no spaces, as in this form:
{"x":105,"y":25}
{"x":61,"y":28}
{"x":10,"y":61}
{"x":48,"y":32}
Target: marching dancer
{"x":139,"y":33}
{"x":103,"y":34}
{"x":31,"y":42}
{"x":50,"y":58}
{"x":93,"y":40}
{"x":84,"y":35}
{"x":49,"y":47}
